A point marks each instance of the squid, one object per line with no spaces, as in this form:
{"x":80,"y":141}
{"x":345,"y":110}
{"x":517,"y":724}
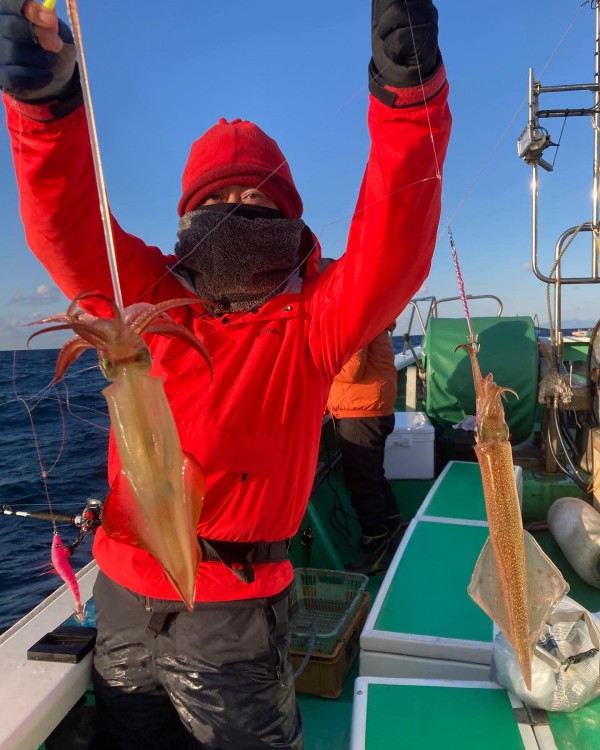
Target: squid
{"x":156,"y":499}
{"x":514,"y":581}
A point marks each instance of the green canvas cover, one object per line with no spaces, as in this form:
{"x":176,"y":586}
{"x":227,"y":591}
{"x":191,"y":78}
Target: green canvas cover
{"x":508,"y":349}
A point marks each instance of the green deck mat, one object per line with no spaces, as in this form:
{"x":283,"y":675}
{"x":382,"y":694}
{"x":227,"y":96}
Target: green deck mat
{"x":459,"y":494}
{"x":578,"y":730}
{"x":428,"y":594}
{"x":432,"y":718}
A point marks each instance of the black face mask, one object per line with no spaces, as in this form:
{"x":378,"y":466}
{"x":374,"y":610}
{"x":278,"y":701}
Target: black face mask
{"x":245,"y":210}
{"x":239,"y":255}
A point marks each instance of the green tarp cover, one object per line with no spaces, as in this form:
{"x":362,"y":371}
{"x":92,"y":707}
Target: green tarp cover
{"x":508,"y":349}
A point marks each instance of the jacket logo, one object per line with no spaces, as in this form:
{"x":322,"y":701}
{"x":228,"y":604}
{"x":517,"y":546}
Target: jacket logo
{"x":270,"y":330}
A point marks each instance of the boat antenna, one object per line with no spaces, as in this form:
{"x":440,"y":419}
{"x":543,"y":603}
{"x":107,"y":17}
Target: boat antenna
{"x":461,"y":287}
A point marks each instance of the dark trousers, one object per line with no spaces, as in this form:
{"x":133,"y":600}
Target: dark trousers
{"x":216,"y":678}
{"x":362,"y":441}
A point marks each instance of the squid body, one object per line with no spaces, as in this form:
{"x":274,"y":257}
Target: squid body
{"x":156,"y":500}
{"x":514,"y":581}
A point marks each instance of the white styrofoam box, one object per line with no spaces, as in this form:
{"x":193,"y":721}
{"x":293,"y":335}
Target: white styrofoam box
{"x":409,"y":448}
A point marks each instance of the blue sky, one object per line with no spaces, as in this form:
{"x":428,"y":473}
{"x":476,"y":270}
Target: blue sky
{"x":162,"y":73}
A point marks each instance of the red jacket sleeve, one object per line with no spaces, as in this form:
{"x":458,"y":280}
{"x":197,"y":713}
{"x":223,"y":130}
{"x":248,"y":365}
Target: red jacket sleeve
{"x":393,"y":231}
{"x":60,"y":209}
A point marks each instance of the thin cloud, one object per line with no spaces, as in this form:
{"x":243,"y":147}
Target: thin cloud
{"x":44,"y":293}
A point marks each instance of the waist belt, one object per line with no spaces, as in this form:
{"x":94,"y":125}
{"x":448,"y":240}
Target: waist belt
{"x":239,"y":557}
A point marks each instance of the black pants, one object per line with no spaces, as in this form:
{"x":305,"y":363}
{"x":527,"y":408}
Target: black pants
{"x":362,"y":441}
{"x":216,"y":678}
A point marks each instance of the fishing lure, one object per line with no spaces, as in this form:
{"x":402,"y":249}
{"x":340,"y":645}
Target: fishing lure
{"x":61,"y":565}
{"x":514,"y":581}
{"x":157,"y":498}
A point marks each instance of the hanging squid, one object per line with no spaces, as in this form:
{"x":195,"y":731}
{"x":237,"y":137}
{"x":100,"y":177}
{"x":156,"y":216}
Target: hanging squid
{"x":156,"y":499}
{"x":514,"y":581}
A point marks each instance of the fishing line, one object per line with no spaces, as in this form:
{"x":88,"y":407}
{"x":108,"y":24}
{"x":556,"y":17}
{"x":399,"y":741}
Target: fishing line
{"x":508,"y":128}
{"x":462,"y":201}
{"x":74,"y":18}
{"x":104,"y":208}
{"x":237,"y":316}
{"x":73,"y":15}
{"x":463,"y":296}
{"x":98,"y":412}
{"x":43,"y":471}
{"x":34,"y":400}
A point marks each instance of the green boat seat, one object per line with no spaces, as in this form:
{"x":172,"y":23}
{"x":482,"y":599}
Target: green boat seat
{"x":423,"y":623}
{"x":458,"y":494}
{"x":435,"y":714}
{"x":508,"y":349}
{"x":461,"y":715}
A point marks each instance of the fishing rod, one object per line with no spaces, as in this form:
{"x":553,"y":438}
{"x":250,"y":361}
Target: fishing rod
{"x":89,"y":514}
{"x":87,"y":521}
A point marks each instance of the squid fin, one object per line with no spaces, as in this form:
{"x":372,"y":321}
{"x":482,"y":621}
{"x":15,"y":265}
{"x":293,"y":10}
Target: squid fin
{"x":169,"y":537}
{"x":545,"y":588}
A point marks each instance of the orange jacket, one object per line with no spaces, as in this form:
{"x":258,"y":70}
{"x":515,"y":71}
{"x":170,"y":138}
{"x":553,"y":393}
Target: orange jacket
{"x":366,"y":386}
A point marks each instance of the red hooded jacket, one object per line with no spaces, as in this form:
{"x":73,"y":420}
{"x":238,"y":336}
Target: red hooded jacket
{"x":255,"y":427}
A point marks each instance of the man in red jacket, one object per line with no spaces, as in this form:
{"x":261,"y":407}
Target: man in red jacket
{"x":277,"y":332}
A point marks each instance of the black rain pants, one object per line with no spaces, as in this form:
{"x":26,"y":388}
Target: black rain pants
{"x":362,"y":441}
{"x":215,"y":678}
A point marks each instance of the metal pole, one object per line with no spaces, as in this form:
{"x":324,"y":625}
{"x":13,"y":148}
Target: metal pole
{"x":596,"y":127}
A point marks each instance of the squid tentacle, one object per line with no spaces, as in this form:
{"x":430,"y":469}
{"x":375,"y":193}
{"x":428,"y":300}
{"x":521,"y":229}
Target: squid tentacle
{"x":157,"y":500}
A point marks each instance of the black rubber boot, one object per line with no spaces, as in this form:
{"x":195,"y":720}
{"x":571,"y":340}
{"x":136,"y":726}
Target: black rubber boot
{"x":371,"y":556}
{"x":394,"y":525}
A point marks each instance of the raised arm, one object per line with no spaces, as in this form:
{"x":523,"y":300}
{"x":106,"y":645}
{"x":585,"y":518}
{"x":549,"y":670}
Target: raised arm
{"x":52,"y":157}
{"x":393,"y":231}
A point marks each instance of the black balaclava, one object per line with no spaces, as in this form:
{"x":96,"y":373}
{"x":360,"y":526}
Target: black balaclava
{"x":239,"y":255}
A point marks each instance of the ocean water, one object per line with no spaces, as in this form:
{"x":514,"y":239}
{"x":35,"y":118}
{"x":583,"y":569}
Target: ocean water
{"x":62,"y":431}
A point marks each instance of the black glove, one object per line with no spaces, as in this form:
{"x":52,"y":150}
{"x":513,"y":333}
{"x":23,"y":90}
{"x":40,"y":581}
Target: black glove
{"x":404,"y":40}
{"x":27,"y":71}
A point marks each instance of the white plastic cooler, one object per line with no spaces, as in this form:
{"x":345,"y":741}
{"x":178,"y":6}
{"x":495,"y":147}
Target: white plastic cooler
{"x":409,"y":448}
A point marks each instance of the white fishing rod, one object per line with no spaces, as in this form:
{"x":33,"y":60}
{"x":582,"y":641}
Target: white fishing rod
{"x":73,"y":15}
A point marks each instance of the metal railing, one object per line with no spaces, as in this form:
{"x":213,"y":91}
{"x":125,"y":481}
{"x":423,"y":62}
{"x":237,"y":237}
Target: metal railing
{"x":432,"y":310}
{"x":532,"y":143}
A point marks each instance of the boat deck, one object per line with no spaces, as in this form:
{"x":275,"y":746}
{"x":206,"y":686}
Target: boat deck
{"x":326,"y":722}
